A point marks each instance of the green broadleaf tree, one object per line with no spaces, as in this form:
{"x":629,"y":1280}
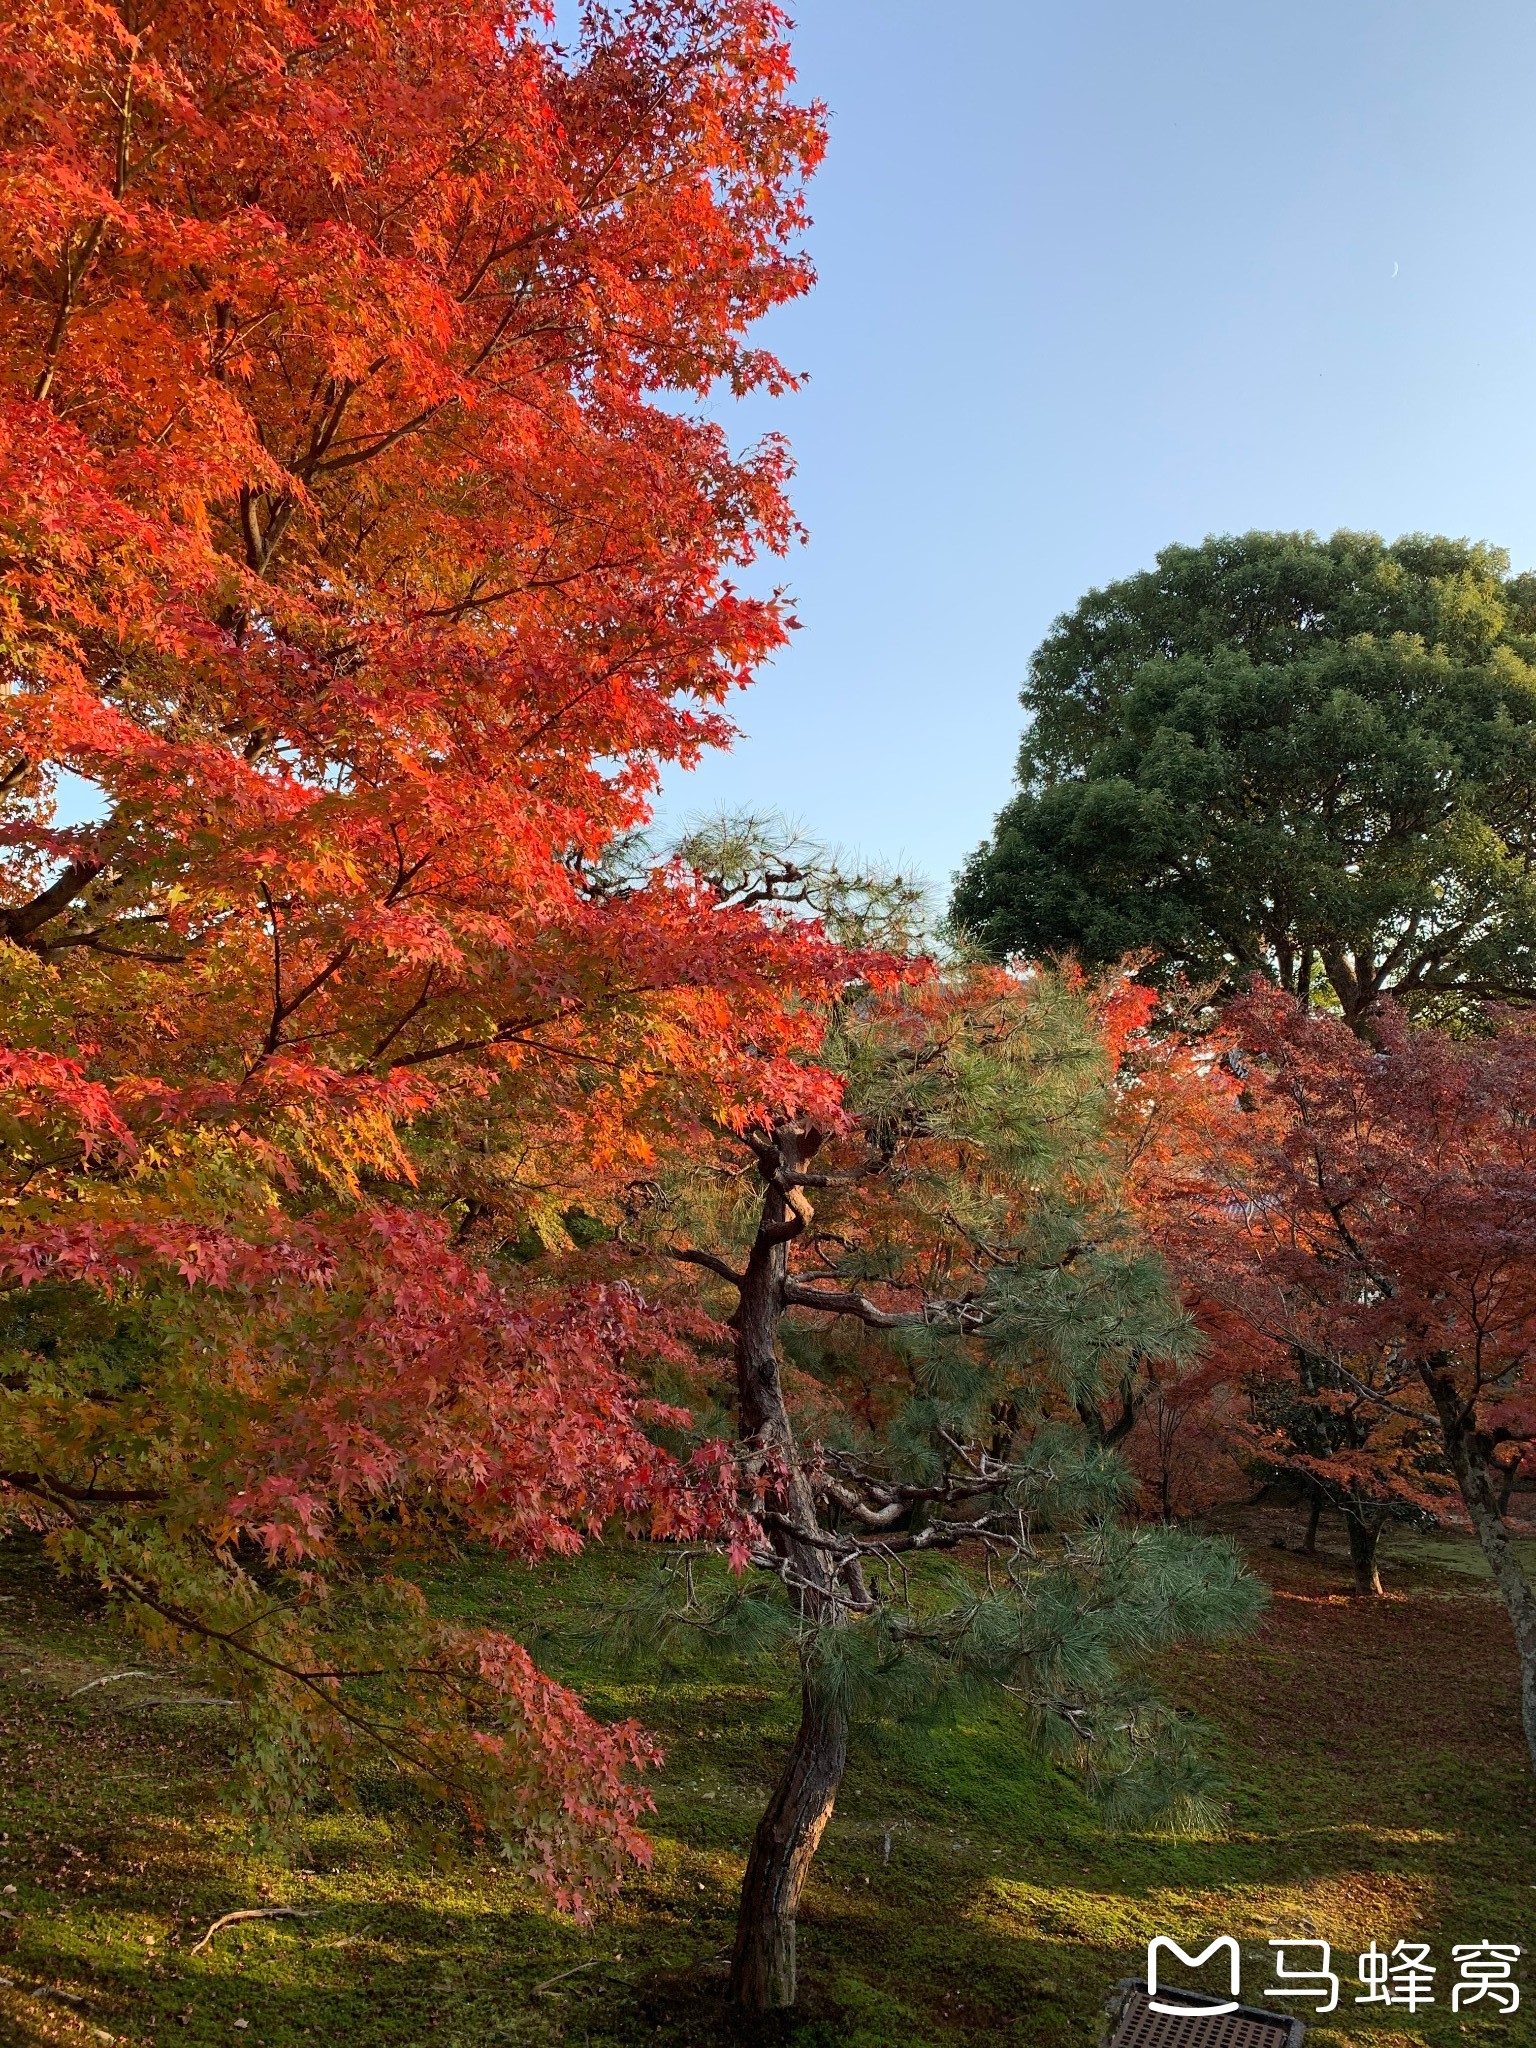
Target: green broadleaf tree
{"x":1271,"y":753}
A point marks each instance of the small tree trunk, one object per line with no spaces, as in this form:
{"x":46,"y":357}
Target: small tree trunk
{"x":1471,"y":1455}
{"x":1309,"y":1542}
{"x":1363,"y":1539}
{"x":763,"y":1959}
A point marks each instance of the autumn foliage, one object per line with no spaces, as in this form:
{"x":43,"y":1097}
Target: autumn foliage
{"x":368,"y":549}
{"x":363,"y":559}
{"x":1359,"y":1231}
{"x":1366,"y":1205}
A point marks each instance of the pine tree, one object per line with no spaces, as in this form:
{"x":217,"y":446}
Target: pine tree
{"x":926,"y":1291}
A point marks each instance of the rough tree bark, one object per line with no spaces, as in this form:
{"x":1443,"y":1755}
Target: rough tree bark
{"x":1309,"y":1542}
{"x":819,"y":1563}
{"x":763,"y":1958}
{"x":1470,"y":1450}
{"x":1364,"y":1536}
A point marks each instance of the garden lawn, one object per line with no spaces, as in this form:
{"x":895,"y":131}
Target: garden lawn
{"x":965,"y":1891}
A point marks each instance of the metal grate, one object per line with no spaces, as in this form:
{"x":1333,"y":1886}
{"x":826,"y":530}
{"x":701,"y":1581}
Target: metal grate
{"x":1140,"y":2027}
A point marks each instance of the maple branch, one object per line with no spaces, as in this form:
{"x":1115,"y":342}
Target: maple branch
{"x":415,"y":1010}
{"x":515,"y":1033}
{"x":95,"y":943}
{"x":75,"y":268}
{"x":476,"y":598}
{"x":590,"y":689}
{"x":390,"y":437}
{"x":326,"y":428}
{"x":319,"y":1683}
{"x":284,"y":1007}
{"x":317,"y":980}
{"x":124,"y":125}
{"x":261,"y":541}
{"x":19,"y":923}
{"x":277,"y":968}
{"x":504,"y":1034}
{"x":78,"y":264}
{"x":45,"y":1486}
{"x":379,"y":445}
{"x":570,"y":1052}
{"x":1368,"y":1393}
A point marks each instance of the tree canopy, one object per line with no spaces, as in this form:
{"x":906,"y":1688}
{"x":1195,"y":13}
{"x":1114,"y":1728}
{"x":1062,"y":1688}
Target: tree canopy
{"x":357,"y":553}
{"x":395,"y":1145}
{"x":1314,"y":759}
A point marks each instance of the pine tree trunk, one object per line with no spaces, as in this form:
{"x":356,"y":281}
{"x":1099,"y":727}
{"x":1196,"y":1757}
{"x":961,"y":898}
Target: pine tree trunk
{"x":1363,"y":1539}
{"x":763,"y":1959}
{"x":1309,"y":1542}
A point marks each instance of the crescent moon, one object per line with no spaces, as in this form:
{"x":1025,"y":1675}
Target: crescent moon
{"x":1394,"y":270}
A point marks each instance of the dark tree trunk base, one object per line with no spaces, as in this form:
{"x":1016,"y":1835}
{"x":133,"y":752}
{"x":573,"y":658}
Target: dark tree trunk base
{"x":1363,"y":1539}
{"x":763,"y":1960}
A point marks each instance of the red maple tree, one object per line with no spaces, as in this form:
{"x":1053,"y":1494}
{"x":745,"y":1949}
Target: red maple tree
{"x":360,"y":570}
{"x":1361,"y":1224}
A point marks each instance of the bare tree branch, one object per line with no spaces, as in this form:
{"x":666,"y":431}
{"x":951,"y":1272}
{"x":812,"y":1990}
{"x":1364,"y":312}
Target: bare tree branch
{"x":708,"y":1260}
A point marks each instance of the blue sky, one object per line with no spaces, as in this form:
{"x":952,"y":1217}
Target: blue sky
{"x":1097,"y":275}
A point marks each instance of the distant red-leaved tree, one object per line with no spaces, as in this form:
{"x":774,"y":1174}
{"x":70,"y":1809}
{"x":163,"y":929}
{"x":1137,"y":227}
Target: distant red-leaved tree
{"x":1173,"y":1412}
{"x":359,"y":570}
{"x":1359,"y":1230}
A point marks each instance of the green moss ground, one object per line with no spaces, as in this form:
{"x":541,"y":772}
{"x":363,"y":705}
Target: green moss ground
{"x":965,"y":1892}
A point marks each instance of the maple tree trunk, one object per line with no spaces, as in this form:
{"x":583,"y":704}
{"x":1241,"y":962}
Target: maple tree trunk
{"x":763,"y":1959}
{"x":1471,"y":1462}
{"x":1520,"y":1602}
{"x":1309,"y":1542}
{"x":1363,"y":1539}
